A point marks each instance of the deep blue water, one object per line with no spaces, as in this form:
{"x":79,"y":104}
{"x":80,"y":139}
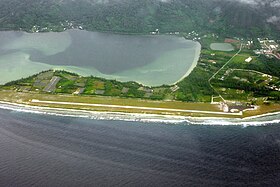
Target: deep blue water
{"x":41,"y":150}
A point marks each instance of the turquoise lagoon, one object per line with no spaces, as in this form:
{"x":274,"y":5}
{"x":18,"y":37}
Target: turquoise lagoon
{"x":150,"y":60}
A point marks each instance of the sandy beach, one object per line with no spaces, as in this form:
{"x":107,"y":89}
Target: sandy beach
{"x":194,"y":64}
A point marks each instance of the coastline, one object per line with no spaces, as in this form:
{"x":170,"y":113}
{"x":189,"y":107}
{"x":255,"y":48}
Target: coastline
{"x":142,"y":117}
{"x":194,"y":64}
{"x":98,"y":115}
{"x":91,"y":71}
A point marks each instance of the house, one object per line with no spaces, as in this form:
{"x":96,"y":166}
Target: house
{"x":249,"y":59}
{"x":224,"y":107}
{"x":79,"y":91}
{"x":174,"y":88}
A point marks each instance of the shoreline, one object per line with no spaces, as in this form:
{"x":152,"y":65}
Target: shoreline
{"x":194,"y":64}
{"x":93,"y":71}
{"x":140,"y":117}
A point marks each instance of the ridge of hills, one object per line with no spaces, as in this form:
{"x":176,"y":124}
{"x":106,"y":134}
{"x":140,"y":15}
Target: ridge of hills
{"x":246,"y":18}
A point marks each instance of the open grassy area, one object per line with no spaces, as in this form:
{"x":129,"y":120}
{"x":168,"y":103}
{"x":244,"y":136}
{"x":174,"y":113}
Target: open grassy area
{"x":247,"y":81}
{"x":25,"y":98}
{"x":240,"y":83}
{"x":20,"y":97}
{"x":263,"y":109}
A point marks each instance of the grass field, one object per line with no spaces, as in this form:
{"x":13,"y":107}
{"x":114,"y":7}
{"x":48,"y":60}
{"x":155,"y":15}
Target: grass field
{"x":25,"y":98}
{"x":254,"y":83}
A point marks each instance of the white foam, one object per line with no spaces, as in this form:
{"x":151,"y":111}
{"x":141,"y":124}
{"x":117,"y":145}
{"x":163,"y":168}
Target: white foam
{"x":237,"y":122}
{"x":146,"y":118}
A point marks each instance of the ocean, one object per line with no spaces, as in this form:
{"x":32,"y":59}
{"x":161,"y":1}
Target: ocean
{"x":46,"y":150}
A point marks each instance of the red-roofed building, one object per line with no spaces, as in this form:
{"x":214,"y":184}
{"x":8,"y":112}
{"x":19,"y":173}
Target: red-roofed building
{"x":229,"y":40}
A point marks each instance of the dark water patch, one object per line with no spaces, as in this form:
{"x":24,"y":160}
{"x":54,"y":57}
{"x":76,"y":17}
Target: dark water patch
{"x":111,"y":53}
{"x":150,"y":60}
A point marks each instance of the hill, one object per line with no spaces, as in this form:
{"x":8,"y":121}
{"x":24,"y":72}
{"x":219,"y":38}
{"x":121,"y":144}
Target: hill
{"x":224,"y":17}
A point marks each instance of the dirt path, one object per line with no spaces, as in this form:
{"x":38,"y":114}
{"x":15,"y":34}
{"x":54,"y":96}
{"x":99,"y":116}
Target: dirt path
{"x":213,"y":76}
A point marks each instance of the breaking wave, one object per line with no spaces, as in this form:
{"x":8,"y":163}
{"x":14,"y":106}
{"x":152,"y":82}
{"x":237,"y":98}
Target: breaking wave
{"x":262,"y":120}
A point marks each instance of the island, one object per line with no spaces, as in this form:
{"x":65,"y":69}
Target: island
{"x":234,"y":78}
{"x":181,"y":58}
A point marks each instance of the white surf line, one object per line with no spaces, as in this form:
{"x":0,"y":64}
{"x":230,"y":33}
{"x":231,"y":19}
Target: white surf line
{"x":134,"y":107}
{"x":42,"y":109}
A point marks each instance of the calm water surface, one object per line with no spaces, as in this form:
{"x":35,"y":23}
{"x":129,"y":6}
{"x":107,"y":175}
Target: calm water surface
{"x":39,"y":150}
{"x":151,"y":60}
{"x":222,"y":46}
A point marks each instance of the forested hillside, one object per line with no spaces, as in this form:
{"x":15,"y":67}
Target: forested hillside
{"x":225,"y":17}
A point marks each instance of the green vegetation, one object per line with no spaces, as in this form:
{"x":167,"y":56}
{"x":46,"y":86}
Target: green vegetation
{"x":69,"y":83}
{"x":132,"y":16}
{"x":247,"y":85}
{"x":219,"y":76}
{"x":234,"y":84}
{"x":247,"y":82}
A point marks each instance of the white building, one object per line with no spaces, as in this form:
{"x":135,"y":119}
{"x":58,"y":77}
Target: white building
{"x":249,"y":59}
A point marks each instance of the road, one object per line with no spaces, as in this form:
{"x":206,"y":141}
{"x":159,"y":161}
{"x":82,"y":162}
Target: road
{"x":134,"y":107}
{"x":221,"y":69}
{"x":248,"y":70}
{"x":52,"y":84}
